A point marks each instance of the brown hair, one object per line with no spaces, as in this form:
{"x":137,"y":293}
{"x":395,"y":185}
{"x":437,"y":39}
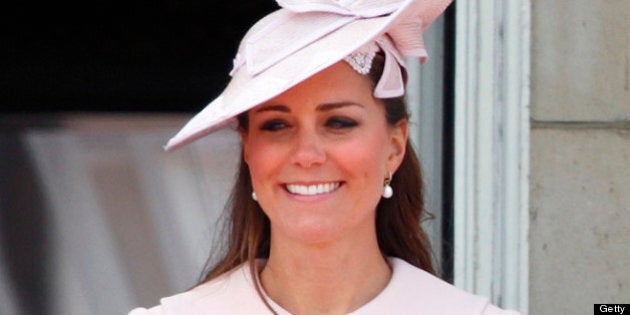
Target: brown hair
{"x":397,"y":219}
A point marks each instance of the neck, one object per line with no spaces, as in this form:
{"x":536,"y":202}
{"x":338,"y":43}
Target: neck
{"x":333,"y":278}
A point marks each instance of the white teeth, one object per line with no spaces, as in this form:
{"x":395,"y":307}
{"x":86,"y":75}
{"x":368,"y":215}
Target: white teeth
{"x":310,"y":190}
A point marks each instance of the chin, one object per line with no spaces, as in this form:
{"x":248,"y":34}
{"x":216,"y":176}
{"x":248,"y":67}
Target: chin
{"x":326,"y":231}
{"x":312,"y":234}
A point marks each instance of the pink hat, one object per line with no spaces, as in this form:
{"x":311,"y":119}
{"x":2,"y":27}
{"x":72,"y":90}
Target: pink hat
{"x":305,"y":37}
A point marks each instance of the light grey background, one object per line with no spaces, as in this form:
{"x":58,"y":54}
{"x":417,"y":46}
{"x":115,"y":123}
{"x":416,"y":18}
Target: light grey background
{"x":580,"y":156}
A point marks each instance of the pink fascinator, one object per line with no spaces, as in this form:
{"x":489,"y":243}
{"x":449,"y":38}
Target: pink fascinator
{"x":305,"y":37}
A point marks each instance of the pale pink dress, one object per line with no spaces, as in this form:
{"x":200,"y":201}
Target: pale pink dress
{"x":410,"y":291}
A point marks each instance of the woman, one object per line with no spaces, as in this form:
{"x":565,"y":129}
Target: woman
{"x":328,"y":201}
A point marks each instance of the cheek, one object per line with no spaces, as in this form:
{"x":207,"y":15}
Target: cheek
{"x":255,"y":158}
{"x":366,"y":156}
{"x":263,"y":159}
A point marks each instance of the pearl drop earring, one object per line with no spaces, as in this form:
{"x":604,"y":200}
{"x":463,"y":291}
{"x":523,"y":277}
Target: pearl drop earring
{"x":254,"y":196}
{"x":388,"y":192}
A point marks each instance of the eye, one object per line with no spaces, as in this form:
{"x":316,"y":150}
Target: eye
{"x":274,"y":125}
{"x":341,"y":123}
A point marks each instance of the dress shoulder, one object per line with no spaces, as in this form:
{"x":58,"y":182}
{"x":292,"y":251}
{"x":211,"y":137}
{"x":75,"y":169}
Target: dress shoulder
{"x":231,"y":293}
{"x":415,"y":291}
{"x":152,"y":311}
{"x":173,"y":305}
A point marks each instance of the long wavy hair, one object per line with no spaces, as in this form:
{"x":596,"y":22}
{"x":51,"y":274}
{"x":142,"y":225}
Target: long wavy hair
{"x":397,"y":219}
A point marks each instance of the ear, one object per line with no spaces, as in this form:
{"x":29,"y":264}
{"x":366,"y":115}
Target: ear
{"x":398,"y":139}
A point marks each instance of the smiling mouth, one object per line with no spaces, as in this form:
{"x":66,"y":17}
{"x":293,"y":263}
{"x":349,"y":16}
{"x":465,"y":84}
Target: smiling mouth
{"x":311,"y":190}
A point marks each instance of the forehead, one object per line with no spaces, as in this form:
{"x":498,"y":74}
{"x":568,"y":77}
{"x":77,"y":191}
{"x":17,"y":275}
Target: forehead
{"x":337,"y":83}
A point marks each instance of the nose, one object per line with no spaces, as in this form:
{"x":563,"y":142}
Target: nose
{"x":308,"y":150}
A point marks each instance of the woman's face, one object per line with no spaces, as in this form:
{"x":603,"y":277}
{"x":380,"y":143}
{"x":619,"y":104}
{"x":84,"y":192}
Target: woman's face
{"x":318,"y":155}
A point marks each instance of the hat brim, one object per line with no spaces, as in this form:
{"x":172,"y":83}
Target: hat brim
{"x":245,"y":91}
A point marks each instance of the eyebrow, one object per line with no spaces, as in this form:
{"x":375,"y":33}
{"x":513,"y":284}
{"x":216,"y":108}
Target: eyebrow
{"x":269,"y":108}
{"x":320,"y":108}
{"x":335,"y":105}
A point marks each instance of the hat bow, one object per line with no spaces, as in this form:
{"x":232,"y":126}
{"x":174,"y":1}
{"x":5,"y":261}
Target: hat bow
{"x":293,"y":30}
{"x":356,"y":8}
